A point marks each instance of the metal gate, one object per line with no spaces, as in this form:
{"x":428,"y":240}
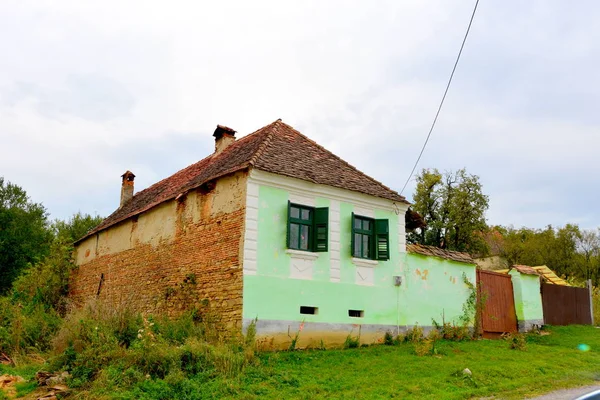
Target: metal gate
{"x":498,"y":312}
{"x":566,"y":305}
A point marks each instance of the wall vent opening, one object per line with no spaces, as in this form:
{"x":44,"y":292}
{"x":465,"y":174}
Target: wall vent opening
{"x":356,"y":313}
{"x":309,"y":310}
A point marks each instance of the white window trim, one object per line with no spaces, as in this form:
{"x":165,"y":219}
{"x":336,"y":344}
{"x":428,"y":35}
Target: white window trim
{"x":364,"y":262}
{"x":305,"y":255}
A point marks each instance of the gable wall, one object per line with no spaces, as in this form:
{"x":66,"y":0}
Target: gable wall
{"x":145,"y":260}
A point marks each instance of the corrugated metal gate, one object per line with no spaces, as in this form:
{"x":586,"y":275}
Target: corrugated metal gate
{"x":498,"y":313}
{"x":565,"y":305}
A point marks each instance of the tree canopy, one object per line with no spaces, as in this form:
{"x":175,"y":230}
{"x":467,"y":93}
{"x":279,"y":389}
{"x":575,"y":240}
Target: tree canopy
{"x":453,"y":206}
{"x":24,"y":232}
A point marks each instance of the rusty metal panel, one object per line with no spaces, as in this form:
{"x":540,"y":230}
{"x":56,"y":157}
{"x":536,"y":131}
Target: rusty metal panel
{"x":498,"y":314}
{"x":565,"y":305}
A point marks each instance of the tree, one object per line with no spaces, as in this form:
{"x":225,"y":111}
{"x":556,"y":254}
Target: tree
{"x":453,"y":206}
{"x":24,"y":232}
{"x":47,"y":282}
{"x":556,"y":248}
{"x":588,"y":246}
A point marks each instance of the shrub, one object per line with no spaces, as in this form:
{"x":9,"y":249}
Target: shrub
{"x":388,"y":339}
{"x":414,"y":335}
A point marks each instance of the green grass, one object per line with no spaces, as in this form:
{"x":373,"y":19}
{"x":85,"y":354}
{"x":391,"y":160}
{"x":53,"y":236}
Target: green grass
{"x":549,"y":362}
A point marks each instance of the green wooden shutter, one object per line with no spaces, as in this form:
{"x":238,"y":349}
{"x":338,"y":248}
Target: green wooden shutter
{"x":289,"y":214}
{"x":352,"y":236}
{"x":382,"y":239}
{"x":321,"y":227}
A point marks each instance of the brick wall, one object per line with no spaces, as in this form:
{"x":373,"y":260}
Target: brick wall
{"x":199,"y":263}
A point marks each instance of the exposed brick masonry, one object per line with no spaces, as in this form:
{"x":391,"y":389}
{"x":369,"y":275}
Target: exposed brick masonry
{"x":151,"y":278}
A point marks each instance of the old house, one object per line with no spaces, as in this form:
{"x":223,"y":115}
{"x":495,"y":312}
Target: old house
{"x":271,"y":227}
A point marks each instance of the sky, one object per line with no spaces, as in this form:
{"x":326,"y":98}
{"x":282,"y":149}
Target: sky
{"x":89,"y":90}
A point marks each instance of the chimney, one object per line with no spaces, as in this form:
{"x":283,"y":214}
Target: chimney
{"x":224,"y":136}
{"x":126,"y":187}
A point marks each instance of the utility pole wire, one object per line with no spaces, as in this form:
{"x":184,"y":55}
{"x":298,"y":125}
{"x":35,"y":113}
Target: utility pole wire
{"x":443,"y":98}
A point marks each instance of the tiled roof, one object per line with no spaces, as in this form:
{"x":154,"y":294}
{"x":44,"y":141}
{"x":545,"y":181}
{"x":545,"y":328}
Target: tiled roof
{"x":276,"y":148}
{"x":437,"y":252}
{"x":525,"y":269}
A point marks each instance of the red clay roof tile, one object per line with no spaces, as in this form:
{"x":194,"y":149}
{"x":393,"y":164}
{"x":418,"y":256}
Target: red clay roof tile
{"x":276,"y":148}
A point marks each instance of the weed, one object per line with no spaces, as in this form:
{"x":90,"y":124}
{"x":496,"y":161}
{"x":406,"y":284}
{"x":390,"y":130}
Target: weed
{"x":516,"y":340}
{"x":294,"y":339}
{"x":352,"y":342}
{"x":388,"y":339}
{"x":414,"y":334}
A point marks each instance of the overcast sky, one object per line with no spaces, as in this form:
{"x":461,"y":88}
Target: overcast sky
{"x":89,"y":91}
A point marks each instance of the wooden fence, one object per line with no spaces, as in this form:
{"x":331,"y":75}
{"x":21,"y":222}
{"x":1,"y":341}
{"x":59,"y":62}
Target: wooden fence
{"x":566,"y":305}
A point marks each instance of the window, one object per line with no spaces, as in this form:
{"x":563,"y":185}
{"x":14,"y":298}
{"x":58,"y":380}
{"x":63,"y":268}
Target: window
{"x":356,"y":313}
{"x":370,"y":238}
{"x":307,"y":228}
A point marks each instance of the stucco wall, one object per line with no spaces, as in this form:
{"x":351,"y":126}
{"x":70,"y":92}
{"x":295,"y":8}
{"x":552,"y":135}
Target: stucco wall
{"x":528,"y":300}
{"x":277,"y":283}
{"x":145,"y":260}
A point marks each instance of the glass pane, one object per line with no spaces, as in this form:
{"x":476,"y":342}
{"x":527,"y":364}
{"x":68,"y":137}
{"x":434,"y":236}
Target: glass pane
{"x":294,"y":235}
{"x":357,"y":223}
{"x":366,"y":225}
{"x":304,"y":237}
{"x":365,"y":246}
{"x":357,"y":245}
{"x":306,"y":214}
{"x":295,"y":212}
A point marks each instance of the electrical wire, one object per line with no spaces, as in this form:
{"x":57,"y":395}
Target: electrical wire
{"x":443,"y":97}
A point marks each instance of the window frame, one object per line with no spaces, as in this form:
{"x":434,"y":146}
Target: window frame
{"x":318,"y":228}
{"x":369,"y":233}
{"x":379,"y":238}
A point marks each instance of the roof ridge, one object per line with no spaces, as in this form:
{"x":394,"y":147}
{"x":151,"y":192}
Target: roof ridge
{"x":340,"y":159}
{"x":265,"y":142}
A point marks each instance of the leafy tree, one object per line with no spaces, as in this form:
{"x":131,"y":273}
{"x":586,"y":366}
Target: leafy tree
{"x":588,"y":247}
{"x":24,"y":232}
{"x":453,"y":206}
{"x":47,"y":282}
{"x":556,"y":248}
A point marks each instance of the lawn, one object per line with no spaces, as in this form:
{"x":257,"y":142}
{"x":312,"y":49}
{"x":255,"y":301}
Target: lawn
{"x":549,"y":362}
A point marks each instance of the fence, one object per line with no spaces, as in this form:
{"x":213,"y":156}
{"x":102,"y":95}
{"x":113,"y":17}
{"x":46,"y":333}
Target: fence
{"x":566,"y":305}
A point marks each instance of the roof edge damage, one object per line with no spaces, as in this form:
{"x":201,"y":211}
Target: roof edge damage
{"x":271,"y":148}
{"x":441,"y":253}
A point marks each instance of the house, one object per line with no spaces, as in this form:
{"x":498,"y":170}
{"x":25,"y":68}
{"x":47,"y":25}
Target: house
{"x":274,"y":228}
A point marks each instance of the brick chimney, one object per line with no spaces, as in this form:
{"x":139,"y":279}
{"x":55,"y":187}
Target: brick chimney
{"x":224,"y":136}
{"x":126,"y":187}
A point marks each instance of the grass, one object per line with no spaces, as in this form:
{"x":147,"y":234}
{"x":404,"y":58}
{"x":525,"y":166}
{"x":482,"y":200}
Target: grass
{"x":549,"y":362}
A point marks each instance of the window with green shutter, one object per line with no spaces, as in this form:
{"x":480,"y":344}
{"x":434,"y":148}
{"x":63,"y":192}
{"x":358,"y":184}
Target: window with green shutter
{"x":370,"y":238}
{"x":307,"y":228}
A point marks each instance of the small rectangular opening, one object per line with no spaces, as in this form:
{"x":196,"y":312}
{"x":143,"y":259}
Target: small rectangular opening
{"x":356,"y":313}
{"x":308,"y":310}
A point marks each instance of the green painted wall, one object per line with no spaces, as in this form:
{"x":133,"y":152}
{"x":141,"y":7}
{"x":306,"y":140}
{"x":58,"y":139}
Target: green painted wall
{"x":431,"y":287}
{"x":528,"y":299}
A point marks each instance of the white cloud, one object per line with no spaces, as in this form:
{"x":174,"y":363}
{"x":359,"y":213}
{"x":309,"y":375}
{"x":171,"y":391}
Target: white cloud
{"x":92,"y":89}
